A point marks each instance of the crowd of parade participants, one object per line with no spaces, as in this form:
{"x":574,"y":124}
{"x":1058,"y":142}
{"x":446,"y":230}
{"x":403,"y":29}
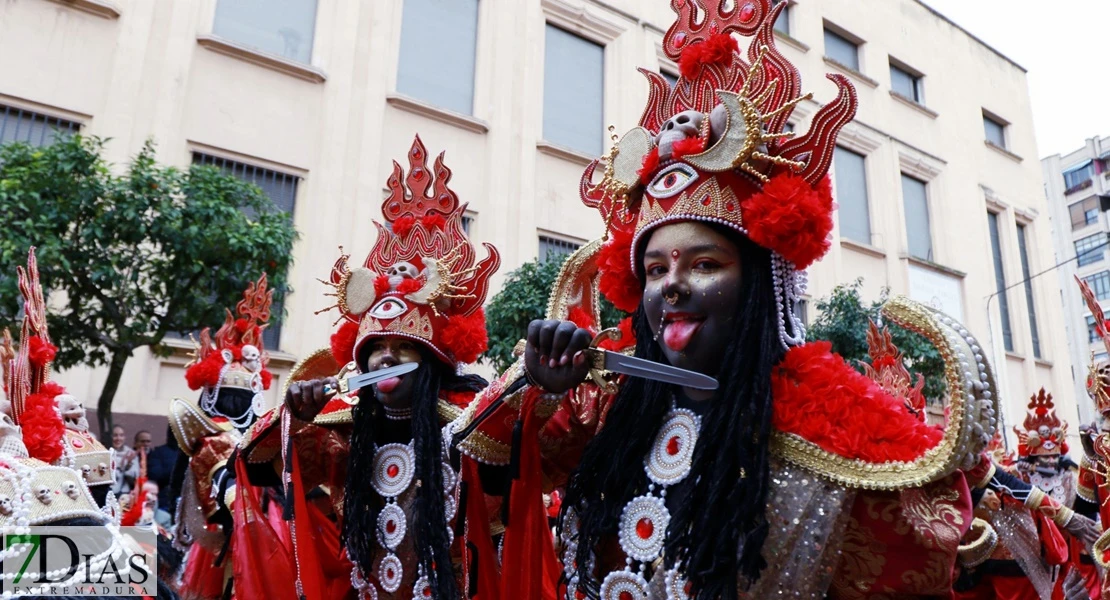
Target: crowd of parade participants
{"x":699,"y":449}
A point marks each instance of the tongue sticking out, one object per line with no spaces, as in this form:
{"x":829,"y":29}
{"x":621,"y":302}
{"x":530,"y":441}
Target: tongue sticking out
{"x":677,"y":334}
{"x":386,"y":386}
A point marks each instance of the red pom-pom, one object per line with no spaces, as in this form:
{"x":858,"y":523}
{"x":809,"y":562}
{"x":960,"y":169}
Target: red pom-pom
{"x":650,"y":164}
{"x":628,"y":338}
{"x":404,"y":225}
{"x":581,"y":318}
{"x":241,"y":325}
{"x":381,"y":284}
{"x":688,"y":146}
{"x":41,"y":352}
{"x":464,"y":337}
{"x":791,"y":217}
{"x":43,"y":428}
{"x":343,"y":342}
{"x":818,"y":397}
{"x":205,"y":373}
{"x":717,"y":50}
{"x":617,"y":281}
{"x":409,"y":286}
{"x":433,"y":221}
{"x":267,"y":378}
{"x":461,"y":398}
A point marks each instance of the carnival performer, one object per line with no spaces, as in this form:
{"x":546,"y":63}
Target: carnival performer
{"x":798,"y":475}
{"x":414,"y":519}
{"x":230,"y":371}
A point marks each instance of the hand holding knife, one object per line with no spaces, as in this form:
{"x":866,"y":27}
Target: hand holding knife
{"x":356,"y":382}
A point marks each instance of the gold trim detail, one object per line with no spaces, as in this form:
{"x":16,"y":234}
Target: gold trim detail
{"x":189,"y":423}
{"x":969,"y":424}
{"x":979,"y":549}
{"x":1099,"y":550}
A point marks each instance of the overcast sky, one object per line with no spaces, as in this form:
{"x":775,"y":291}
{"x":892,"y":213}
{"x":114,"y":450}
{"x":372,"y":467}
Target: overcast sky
{"x":1065,"y":46}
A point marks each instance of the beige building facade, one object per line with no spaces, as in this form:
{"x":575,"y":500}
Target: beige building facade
{"x":1077,"y":186}
{"x":937,"y":180}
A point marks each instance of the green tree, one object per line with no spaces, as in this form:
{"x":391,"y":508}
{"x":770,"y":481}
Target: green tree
{"x":521,"y":300}
{"x":843,"y":319}
{"x":130,"y":258}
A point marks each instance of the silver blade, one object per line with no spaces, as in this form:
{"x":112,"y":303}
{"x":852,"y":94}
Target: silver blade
{"x":638,"y":367}
{"x":360,"y":381}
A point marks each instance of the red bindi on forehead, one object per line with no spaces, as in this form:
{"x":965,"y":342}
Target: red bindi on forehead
{"x":675,"y":254}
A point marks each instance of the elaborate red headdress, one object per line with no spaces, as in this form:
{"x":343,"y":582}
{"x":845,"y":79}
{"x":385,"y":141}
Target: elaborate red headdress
{"x":422,"y":279}
{"x":1042,"y":433}
{"x":1098,"y":372}
{"x":235,"y":358}
{"x":714,"y":148}
{"x":889,"y":371}
{"x":27,"y":373}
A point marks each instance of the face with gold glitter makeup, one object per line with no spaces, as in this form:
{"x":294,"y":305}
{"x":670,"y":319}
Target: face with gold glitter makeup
{"x":691,"y":291}
{"x":395,"y":392}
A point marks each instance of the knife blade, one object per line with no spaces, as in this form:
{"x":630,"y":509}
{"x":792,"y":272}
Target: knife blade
{"x":355,"y":382}
{"x":646,"y":369}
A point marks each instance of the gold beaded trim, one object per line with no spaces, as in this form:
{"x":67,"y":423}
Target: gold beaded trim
{"x":977,"y":551}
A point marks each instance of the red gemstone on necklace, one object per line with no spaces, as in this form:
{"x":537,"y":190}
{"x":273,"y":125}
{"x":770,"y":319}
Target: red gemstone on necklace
{"x":427,"y":592}
{"x":392,"y":471}
{"x":747,"y":12}
{"x":390,"y":526}
{"x":644,"y":528}
{"x":673,"y":446}
{"x":626,"y":595}
{"x":389,"y":573}
{"x":578,"y":595}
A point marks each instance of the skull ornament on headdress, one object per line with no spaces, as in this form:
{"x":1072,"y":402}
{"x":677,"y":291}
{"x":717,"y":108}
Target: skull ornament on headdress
{"x":235,"y":358}
{"x":714,"y":149}
{"x":1098,"y":372}
{"x":422,"y":279}
{"x":1042,"y":433}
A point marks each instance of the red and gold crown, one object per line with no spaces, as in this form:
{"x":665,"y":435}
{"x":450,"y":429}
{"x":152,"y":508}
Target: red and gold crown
{"x":1098,"y":372}
{"x":422,"y":279}
{"x":1042,"y":433}
{"x":714,"y":148}
{"x":235,"y":358}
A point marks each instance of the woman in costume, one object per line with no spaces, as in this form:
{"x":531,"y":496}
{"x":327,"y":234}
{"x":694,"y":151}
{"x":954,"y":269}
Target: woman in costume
{"x":798,"y":476}
{"x":414,"y":519}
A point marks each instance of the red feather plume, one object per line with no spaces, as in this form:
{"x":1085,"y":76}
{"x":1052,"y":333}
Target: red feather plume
{"x":617,"y":281}
{"x":343,"y":342}
{"x":43,"y":428}
{"x":791,"y":217}
{"x":464,"y":337}
{"x":41,"y":352}
{"x":717,"y":50}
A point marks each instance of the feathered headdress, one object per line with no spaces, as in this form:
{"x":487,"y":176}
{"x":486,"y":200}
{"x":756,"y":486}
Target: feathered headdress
{"x":714,"y":148}
{"x":1042,"y":433}
{"x":422,"y":279}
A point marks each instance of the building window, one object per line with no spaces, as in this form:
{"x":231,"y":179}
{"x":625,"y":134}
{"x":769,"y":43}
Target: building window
{"x":672,"y":80}
{"x":36,"y":129}
{"x":282,"y":27}
{"x":573,"y":91}
{"x":1084,"y":213}
{"x":906,"y":82}
{"x":1090,"y":250}
{"x":801,"y":310}
{"x":1000,"y":283}
{"x":995,"y":130}
{"x":918,"y":232}
{"x":851,"y":195}
{"x":467,"y":224}
{"x":841,"y":49}
{"x":1077,"y":178}
{"x":782,"y":24}
{"x":439,"y":42}
{"x":1092,"y":333}
{"x":556,"y":249}
{"x":1100,"y":284}
{"x":281,"y":188}
{"x":1023,"y":250}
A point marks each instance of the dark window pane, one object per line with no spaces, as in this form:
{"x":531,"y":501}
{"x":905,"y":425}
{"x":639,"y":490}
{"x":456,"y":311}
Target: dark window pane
{"x":841,"y":49}
{"x":851,"y":195}
{"x":995,"y":131}
{"x":782,"y":23}
{"x":1079,"y":177}
{"x":282,"y":27}
{"x":1030,"y":305}
{"x":1090,"y":250}
{"x":918,"y":233}
{"x":905,"y":83}
{"x":439,"y":39}
{"x":1000,"y":283}
{"x":556,"y":249}
{"x":36,"y":129}
{"x":573,"y":91}
{"x":1100,"y":284}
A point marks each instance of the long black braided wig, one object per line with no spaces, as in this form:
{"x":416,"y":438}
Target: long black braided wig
{"x":361,"y":503}
{"x":719,"y":529}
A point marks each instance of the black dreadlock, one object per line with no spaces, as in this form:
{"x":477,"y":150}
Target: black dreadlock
{"x":361,"y":503}
{"x":719,"y":529}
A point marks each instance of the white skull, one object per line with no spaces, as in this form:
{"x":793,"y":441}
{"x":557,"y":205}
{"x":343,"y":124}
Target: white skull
{"x":5,"y":504}
{"x":72,"y":412}
{"x":398,"y":272}
{"x":686,"y":124}
{"x":70,"y":489}
{"x":102,"y":468}
{"x":44,"y":494}
{"x":86,"y":470}
{"x":251,"y":358}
